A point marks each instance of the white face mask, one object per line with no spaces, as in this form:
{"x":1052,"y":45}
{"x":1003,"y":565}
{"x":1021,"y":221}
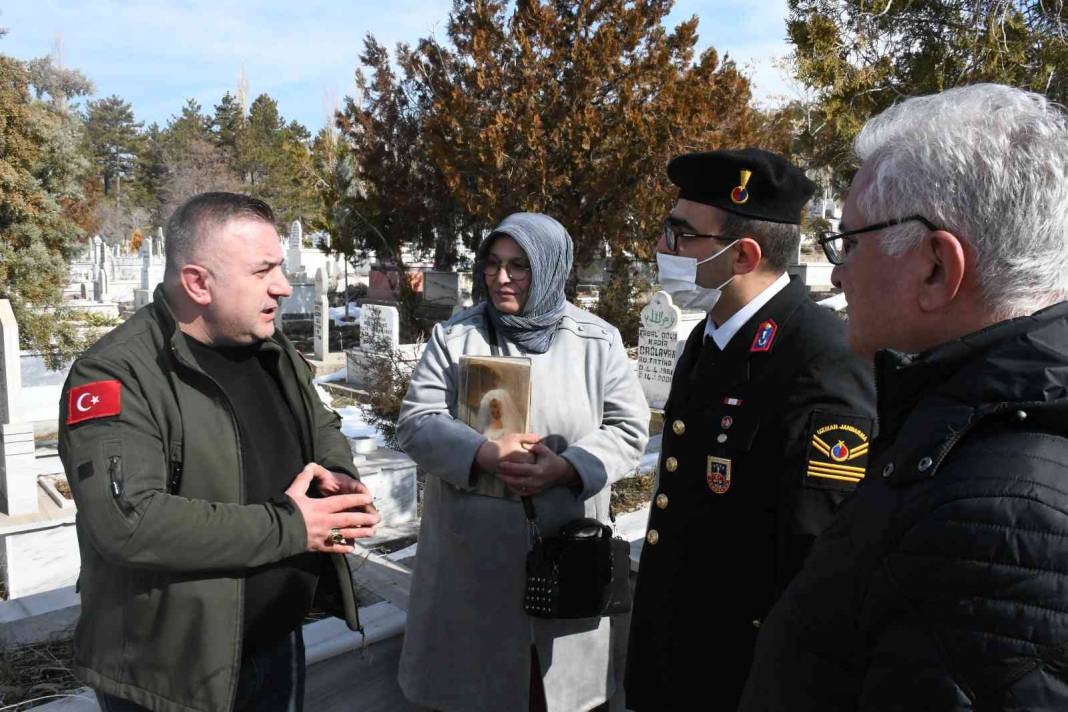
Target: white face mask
{"x":678,"y":277}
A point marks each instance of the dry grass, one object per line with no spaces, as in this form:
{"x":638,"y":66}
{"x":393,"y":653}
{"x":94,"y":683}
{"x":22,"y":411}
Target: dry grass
{"x":631,"y":493}
{"x":63,"y":488}
{"x":34,"y":674}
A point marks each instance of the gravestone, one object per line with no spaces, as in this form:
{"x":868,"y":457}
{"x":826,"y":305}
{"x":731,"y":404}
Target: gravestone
{"x":445,"y":288}
{"x":391,"y":478}
{"x":293,"y":252}
{"x":296,"y":235}
{"x":320,"y":317}
{"x":661,"y":337}
{"x":18,"y":478}
{"x":379,"y":334}
{"x":152,"y":265}
{"x":10,"y":368}
{"x":379,"y":327}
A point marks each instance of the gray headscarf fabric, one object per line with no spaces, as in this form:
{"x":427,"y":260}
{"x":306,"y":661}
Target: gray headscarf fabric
{"x":549,"y":249}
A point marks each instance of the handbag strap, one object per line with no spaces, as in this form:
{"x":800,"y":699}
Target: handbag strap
{"x":495,"y":349}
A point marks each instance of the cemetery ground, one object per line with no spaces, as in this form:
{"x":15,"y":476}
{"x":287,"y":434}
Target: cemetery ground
{"x":363,"y":363}
{"x":39,"y":673}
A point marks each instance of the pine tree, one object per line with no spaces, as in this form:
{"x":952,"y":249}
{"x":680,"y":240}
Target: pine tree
{"x":189,"y":126}
{"x":859,"y":57}
{"x":114,"y":139}
{"x":227,"y":123}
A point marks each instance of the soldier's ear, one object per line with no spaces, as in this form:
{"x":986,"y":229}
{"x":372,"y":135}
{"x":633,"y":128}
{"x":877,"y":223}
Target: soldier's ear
{"x":943,"y":262}
{"x":196,"y":283}
{"x":749,"y":255}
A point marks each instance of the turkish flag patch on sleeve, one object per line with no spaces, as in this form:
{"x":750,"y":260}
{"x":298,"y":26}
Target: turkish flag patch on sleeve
{"x":94,"y":400}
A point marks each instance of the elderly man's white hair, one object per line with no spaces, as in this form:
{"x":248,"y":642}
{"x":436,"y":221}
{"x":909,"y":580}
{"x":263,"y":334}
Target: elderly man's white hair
{"x":988,"y":163}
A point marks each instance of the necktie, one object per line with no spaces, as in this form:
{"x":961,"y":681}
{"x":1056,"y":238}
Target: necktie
{"x":710,"y":353}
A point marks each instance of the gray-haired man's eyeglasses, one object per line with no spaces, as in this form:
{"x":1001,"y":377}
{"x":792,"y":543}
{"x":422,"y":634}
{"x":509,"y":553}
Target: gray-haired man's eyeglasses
{"x":837,"y":245}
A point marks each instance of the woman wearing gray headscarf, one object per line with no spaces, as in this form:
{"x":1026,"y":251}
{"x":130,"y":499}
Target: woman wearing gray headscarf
{"x":468,"y":643}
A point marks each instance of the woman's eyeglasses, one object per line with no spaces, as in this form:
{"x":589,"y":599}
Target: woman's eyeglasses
{"x":516,"y":271}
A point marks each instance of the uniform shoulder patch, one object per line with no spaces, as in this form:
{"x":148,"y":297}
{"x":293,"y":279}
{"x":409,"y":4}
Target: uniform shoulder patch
{"x":94,"y":400}
{"x":838,"y":449}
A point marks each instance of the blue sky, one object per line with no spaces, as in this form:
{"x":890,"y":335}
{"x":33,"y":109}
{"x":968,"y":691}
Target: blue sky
{"x":156,"y":54}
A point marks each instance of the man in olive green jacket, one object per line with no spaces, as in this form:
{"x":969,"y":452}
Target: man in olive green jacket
{"x":186,"y":527}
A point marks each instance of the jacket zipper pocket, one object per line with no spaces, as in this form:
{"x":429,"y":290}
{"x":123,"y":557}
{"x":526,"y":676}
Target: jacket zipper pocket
{"x":116,"y":479}
{"x":174,"y":481}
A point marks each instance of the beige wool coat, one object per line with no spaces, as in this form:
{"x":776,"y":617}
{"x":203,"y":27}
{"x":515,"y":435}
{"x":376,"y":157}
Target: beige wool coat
{"x":467,"y":642}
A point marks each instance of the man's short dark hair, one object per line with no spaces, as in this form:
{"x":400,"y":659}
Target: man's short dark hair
{"x":193,"y":219}
{"x":778,"y":241}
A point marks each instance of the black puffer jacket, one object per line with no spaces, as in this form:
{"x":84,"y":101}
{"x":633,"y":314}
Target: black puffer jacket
{"x":943,"y":584}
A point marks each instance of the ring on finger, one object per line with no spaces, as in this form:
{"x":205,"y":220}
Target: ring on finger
{"x":335,"y":537}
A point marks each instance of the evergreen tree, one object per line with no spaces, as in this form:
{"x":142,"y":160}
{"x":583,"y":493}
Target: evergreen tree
{"x":150,"y":172}
{"x":859,"y":57}
{"x":44,"y":209}
{"x":227,"y":123}
{"x":189,"y":126}
{"x":113,"y":137}
{"x":566,"y":107}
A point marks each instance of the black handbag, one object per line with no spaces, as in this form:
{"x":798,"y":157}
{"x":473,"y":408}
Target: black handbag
{"x":582,"y":572}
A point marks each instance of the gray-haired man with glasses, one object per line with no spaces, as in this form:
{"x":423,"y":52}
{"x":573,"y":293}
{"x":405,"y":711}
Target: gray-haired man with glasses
{"x":766,"y":431}
{"x":942,"y":583}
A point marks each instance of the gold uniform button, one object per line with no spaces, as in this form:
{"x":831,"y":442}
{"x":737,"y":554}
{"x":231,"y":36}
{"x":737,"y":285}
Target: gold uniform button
{"x":678,"y":427}
{"x":652,"y":537}
{"x":671,"y":464}
{"x":662,"y":501}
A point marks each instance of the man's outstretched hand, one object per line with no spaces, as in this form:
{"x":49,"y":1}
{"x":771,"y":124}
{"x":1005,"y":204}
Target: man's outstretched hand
{"x":348,"y":507}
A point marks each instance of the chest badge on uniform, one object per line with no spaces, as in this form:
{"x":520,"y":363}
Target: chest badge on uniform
{"x":839,"y":448}
{"x":765,"y":336}
{"x":719,"y":474}
{"x":726,"y":422}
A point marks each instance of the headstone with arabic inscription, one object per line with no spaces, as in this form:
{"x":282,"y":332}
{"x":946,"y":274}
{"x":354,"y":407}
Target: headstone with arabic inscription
{"x":379,"y":327}
{"x":661,"y":336}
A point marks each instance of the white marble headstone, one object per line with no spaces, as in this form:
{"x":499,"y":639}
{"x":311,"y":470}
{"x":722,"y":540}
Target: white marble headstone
{"x":661,"y":336}
{"x":378,"y":321}
{"x":10,"y":364}
{"x":296,"y":235}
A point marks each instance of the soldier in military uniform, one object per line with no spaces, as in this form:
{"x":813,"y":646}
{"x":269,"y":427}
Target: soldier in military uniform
{"x":766,"y":431}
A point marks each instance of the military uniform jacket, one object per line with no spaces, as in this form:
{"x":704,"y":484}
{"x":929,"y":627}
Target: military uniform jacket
{"x":150,"y":446}
{"x":761,"y":444}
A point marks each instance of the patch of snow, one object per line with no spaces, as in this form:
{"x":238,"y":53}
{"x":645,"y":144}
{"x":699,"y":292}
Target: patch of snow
{"x":354,"y":424}
{"x":337,"y":314}
{"x":338,"y":376}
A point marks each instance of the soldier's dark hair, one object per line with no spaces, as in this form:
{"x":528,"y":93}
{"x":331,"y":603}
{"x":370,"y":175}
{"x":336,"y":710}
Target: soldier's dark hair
{"x":196,"y":218}
{"x":778,"y":241}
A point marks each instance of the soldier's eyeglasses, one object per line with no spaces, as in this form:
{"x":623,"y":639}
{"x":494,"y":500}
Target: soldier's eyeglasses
{"x":515,"y":271}
{"x":838,"y":245}
{"x":672,"y":233}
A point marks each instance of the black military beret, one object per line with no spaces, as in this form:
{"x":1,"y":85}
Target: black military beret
{"x":751,"y":182}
